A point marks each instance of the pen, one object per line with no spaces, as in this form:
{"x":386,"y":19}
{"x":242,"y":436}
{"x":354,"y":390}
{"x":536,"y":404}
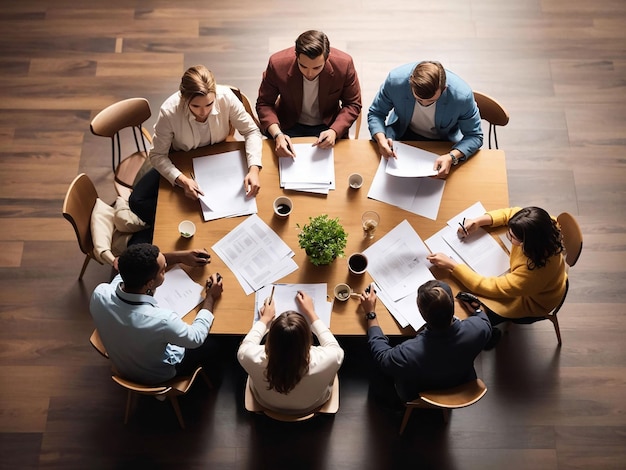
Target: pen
{"x":463,"y":227}
{"x":197,"y":190}
{"x":272,"y":294}
{"x":317,"y":142}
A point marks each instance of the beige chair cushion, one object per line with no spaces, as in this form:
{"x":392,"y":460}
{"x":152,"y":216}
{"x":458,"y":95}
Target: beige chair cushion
{"x":102,"y":228}
{"x":125,"y":220}
{"x":108,"y":242}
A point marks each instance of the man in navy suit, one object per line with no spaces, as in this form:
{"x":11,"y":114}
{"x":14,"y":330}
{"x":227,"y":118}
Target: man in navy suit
{"x":424,"y":101}
{"x":312,"y":90}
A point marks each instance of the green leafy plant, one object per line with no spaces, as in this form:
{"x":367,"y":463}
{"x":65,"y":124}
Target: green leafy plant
{"x":322,"y":239}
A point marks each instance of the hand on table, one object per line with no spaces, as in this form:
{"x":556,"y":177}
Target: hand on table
{"x":442,"y":261}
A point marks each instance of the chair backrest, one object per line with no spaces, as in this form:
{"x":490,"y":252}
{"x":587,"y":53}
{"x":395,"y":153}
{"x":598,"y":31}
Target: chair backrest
{"x":330,"y":407}
{"x":130,"y":113}
{"x":457,"y":397}
{"x":79,"y":202}
{"x":97,"y":343}
{"x":572,"y":237}
{"x":492,"y":112}
{"x":246,"y":104}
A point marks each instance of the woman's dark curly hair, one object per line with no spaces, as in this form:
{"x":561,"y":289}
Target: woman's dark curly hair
{"x":540,"y":235}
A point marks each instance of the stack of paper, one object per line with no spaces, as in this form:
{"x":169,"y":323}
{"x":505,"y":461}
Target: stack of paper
{"x":220,"y":177}
{"x":255,"y":254}
{"x":397,"y":263}
{"x":179,"y":293}
{"x":405,"y":181}
{"x":313,"y":169}
{"x":285,"y":299}
{"x":480,"y":251}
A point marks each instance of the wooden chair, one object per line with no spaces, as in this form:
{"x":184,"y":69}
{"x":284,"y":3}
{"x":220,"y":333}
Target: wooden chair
{"x":170,"y":389}
{"x":109,"y":122}
{"x":492,"y":112}
{"x":248,"y":107}
{"x":80,"y":200}
{"x":573,"y":243}
{"x":448,"y":399}
{"x":330,"y":407}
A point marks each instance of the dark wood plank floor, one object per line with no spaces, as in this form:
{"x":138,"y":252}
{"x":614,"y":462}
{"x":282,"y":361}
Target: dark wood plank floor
{"x":558,"y":66}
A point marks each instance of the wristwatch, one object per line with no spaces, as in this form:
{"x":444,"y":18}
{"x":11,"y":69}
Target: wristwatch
{"x":455,"y":161}
{"x":370,"y":315}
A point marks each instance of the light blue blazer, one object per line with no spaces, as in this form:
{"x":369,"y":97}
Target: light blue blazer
{"x":456,"y":118}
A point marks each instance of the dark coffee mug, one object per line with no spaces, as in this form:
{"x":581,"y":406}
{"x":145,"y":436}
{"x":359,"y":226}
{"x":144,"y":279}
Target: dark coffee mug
{"x":357,"y":263}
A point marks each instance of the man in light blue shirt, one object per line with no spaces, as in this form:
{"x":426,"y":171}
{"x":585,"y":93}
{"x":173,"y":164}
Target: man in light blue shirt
{"x":146,"y":343}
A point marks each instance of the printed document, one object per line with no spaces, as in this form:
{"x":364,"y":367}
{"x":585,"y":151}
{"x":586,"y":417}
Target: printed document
{"x":255,"y":254}
{"x":179,"y":293}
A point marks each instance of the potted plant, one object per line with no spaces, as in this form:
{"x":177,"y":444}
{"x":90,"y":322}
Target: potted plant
{"x":322,"y":239}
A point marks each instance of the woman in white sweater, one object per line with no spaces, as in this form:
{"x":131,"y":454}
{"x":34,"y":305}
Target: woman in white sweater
{"x":288,"y":374}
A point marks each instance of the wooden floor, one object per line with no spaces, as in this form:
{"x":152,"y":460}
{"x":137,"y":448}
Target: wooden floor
{"x":558,"y":66}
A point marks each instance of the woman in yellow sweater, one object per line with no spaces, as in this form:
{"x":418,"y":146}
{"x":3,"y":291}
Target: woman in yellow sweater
{"x":536,"y":281}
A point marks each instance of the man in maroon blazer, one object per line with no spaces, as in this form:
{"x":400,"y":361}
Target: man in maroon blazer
{"x":312,"y":90}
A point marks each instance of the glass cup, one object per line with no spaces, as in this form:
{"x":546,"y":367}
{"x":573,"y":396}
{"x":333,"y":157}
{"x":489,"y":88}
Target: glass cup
{"x":369,"y":220}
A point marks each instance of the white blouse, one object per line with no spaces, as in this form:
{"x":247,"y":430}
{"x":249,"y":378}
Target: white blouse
{"x":177,"y":129}
{"x":314,"y":388}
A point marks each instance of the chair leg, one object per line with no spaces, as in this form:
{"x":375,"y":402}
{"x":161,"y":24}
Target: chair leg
{"x":85,"y":263}
{"x":179,"y":415}
{"x":446,"y":415}
{"x":557,"y":330}
{"x":405,"y":419}
{"x":207,"y":381}
{"x":129,"y":404}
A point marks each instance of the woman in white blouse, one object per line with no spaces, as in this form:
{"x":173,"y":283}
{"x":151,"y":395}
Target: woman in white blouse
{"x":200,"y":113}
{"x":288,"y":374}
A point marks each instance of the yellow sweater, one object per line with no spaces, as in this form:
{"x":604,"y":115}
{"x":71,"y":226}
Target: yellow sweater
{"x":521,"y":292}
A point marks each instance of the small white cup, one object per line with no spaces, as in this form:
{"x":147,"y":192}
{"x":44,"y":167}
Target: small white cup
{"x":342,"y":292}
{"x":355,"y":180}
{"x":187,"y":229}
{"x":283,"y":206}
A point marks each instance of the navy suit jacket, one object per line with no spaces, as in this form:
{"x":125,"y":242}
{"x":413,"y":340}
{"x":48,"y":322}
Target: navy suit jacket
{"x":339,"y":92}
{"x":432,"y":359}
{"x":456,"y":118}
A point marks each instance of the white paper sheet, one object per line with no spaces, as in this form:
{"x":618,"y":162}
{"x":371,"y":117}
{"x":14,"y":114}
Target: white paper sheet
{"x":313,"y":170}
{"x":480,"y":251}
{"x":421,"y":196}
{"x":255,"y":254}
{"x":397,"y":262}
{"x":405,"y":310}
{"x":179,"y":292}
{"x":285,"y":299}
{"x":220,"y":177}
{"x":411,"y":162}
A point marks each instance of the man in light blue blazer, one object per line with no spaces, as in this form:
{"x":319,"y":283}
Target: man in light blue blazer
{"x":423,"y":101}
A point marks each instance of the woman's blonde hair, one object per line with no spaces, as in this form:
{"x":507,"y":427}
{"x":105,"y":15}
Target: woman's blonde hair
{"x":196,"y":81}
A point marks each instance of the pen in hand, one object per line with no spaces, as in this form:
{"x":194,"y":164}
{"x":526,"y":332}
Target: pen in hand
{"x":197,"y":188}
{"x":318,"y":141}
{"x":271,"y":295}
{"x":463,"y":227}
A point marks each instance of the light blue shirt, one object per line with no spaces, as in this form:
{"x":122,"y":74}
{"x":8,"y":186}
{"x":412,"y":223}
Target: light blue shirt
{"x":143,"y":341}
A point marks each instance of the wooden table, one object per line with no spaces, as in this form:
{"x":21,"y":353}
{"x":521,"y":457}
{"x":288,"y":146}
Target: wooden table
{"x":482,"y":178}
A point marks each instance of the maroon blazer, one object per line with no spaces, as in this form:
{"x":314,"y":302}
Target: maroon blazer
{"x":339,"y":92}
